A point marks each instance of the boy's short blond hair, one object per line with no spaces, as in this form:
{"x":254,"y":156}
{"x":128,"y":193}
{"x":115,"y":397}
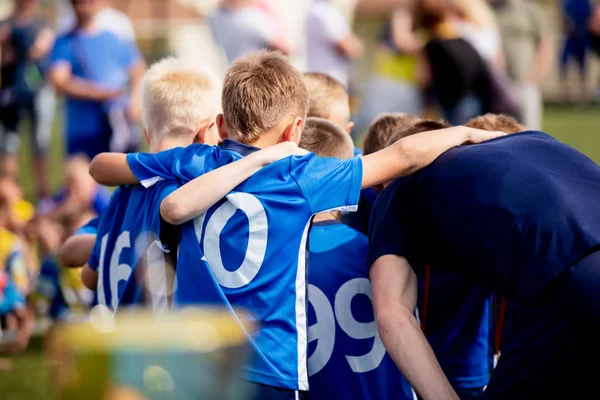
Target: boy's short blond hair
{"x":326,"y":139}
{"x":259,"y":91}
{"x":414,"y":127}
{"x":496,"y":122}
{"x":325,"y":93}
{"x":382,"y":127}
{"x":177,"y":96}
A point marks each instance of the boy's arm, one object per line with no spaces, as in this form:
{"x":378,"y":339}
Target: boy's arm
{"x":414,"y":152}
{"x":76,"y":250}
{"x":198,"y":195}
{"x":112,"y":169}
{"x":89,"y":277}
{"x":394,"y":300}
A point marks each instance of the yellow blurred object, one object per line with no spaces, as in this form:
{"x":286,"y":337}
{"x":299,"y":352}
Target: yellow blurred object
{"x":401,"y":67}
{"x":23,"y":210}
{"x":188,"y":354}
{"x":12,"y":260}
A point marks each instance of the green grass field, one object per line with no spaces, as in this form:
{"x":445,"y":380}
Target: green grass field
{"x":577,"y":126}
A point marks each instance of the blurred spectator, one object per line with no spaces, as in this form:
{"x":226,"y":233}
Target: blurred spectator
{"x":457,"y":75}
{"x":107,"y":19}
{"x":476,"y":23}
{"x":394,"y":83}
{"x":241,"y":27}
{"x":27,"y":41}
{"x":92,"y":68}
{"x":576,"y":14}
{"x":81,"y":198}
{"x":331,"y":46}
{"x":593,"y":26}
{"x":527,"y":51}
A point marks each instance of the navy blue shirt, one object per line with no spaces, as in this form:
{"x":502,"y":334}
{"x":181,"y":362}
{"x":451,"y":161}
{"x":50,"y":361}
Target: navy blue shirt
{"x":514,"y":212}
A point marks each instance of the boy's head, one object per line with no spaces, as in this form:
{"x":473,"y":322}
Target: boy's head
{"x":177,"y":99}
{"x":265,"y":100}
{"x":326,"y":139}
{"x":77,"y":177}
{"x":496,"y":122}
{"x":328,"y":99}
{"x":417,"y":126}
{"x":382,"y":128}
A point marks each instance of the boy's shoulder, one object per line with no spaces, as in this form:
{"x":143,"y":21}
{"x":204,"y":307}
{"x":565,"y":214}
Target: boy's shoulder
{"x":329,"y":235}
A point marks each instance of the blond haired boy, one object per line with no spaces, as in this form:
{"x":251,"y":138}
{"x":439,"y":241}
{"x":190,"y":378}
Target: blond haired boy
{"x":179,"y":104}
{"x":248,"y":251}
{"x":329,"y":99}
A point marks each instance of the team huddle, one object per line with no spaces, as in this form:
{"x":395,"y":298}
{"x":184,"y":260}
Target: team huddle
{"x":371,"y":276}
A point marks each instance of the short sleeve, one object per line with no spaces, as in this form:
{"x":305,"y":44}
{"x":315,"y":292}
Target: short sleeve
{"x":61,"y":51}
{"x":151,"y":168}
{"x":101,"y":200}
{"x":91,"y":228}
{"x":387,"y":222}
{"x":328,"y":183}
{"x":334,"y":25}
{"x":131,"y":53}
{"x":180,"y":164}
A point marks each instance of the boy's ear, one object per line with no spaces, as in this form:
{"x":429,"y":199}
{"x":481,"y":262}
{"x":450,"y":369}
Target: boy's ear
{"x":349,"y":127}
{"x":222,"y":127}
{"x":293,"y":132}
{"x":147,"y":137}
{"x":202,"y":134}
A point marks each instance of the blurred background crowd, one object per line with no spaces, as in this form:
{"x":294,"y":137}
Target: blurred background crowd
{"x":70,"y":72}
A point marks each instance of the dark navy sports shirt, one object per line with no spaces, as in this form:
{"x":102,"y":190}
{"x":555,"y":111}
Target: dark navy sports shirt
{"x":514,"y":212}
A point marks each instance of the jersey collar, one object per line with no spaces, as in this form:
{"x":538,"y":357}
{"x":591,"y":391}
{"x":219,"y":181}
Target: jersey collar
{"x":240,"y":148}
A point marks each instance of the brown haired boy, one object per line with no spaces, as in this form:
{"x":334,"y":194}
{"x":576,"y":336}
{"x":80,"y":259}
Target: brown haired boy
{"x":326,"y":139}
{"x":496,"y":122}
{"x":381,"y":129}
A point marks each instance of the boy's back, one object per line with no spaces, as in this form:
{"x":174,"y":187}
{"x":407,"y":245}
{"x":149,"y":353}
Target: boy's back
{"x":129,"y":233}
{"x":346,"y":356}
{"x":254,"y":243}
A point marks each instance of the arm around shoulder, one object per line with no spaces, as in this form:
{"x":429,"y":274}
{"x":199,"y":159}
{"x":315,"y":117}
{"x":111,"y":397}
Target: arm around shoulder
{"x":112,"y":169}
{"x":417,"y":151}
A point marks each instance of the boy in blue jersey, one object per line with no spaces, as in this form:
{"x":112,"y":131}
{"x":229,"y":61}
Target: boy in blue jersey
{"x":329,"y":99}
{"x":180,"y":103}
{"x":520,"y":215}
{"x":248,"y":251}
{"x":346,"y":358}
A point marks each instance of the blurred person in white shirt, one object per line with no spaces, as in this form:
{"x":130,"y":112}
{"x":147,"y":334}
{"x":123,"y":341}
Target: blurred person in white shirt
{"x":331,"y":46}
{"x":476,"y":23}
{"x":241,"y":27}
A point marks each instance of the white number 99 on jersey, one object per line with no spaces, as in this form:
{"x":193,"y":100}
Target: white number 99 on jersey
{"x":324,"y":330}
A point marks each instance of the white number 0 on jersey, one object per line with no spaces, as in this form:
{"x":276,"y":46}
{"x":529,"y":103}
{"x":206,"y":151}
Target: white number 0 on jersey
{"x":324,"y":329}
{"x":257,"y":240}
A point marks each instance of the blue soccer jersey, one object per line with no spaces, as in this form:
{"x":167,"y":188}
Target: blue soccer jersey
{"x":456,"y":317}
{"x":129,"y":234}
{"x":91,"y":228}
{"x":254,"y":242}
{"x":347,"y":359}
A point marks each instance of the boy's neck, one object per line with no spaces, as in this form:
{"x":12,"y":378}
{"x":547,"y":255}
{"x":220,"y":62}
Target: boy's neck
{"x":327,"y":216}
{"x":168,"y":144}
